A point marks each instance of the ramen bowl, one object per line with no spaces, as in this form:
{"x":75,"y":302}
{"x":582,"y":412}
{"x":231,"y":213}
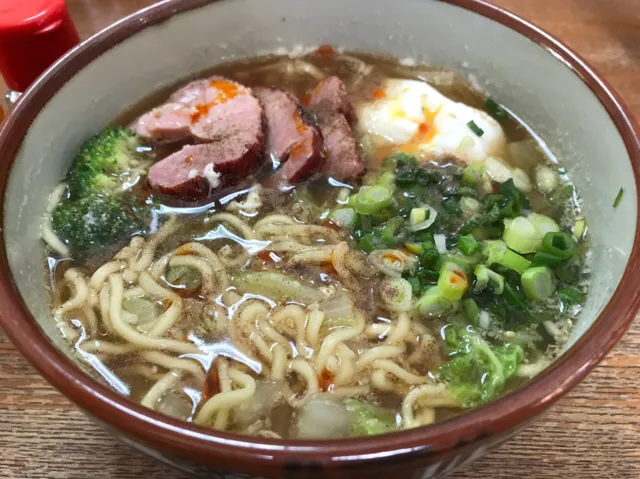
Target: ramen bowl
{"x":549,"y":87}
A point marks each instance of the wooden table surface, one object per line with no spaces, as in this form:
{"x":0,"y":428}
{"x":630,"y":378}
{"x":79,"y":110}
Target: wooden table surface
{"x":594,"y":432}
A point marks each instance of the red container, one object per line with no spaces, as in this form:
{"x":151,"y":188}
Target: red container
{"x":33,"y":35}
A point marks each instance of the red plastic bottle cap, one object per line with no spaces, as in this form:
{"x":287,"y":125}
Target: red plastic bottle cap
{"x":33,"y":35}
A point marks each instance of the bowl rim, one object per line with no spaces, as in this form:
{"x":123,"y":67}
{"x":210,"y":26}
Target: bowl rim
{"x":265,"y":456}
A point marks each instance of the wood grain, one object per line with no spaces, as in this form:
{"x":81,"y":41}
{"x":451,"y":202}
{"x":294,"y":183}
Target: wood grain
{"x":593,"y":433}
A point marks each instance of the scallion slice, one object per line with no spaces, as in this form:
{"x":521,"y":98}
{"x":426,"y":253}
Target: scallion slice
{"x":495,"y":110}
{"x":497,"y":252}
{"x":471,"y":310}
{"x":570,"y":295}
{"x":433,"y":303}
{"x":579,"y":228}
{"x":343,"y":217}
{"x":468,"y":244}
{"x":371,"y":199}
{"x":559,"y":244}
{"x":543,"y":223}
{"x":538,"y":283}
{"x":415,"y":248}
{"x":618,"y":199}
{"x":486,"y":277}
{"x":545,"y":259}
{"x":475,"y":128}
{"x":452,"y":281}
{"x":388,"y":180}
{"x":417,"y":215}
{"x":472,"y":174}
{"x":521,"y":235}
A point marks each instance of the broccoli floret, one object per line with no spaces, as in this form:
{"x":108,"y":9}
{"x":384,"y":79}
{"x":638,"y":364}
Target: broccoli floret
{"x":477,"y":370}
{"x":98,"y":222}
{"x":101,"y":161}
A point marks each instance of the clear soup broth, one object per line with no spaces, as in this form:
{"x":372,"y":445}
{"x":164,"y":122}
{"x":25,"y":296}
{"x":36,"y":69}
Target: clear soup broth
{"x":443,"y":264}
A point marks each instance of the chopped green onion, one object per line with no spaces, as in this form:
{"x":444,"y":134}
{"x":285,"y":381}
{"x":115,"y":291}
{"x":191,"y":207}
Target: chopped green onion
{"x":579,"y":229}
{"x":467,"y":263}
{"x":497,"y":252}
{"x":561,"y":245}
{"x":475,"y":128}
{"x":514,"y":298}
{"x":538,"y":283}
{"x":425,"y":177}
{"x":371,"y":199}
{"x":406,"y":177}
{"x":388,"y":236}
{"x":486,"y":277}
{"x":469,"y":206}
{"x":570,"y":295}
{"x":426,"y":214}
{"x":464,"y":191}
{"x":543,"y":224}
{"x":433,"y":303}
{"x":473,"y":174}
{"x":452,"y":281}
{"x":415,"y":248}
{"x":492,"y":215}
{"x":416,"y":284}
{"x":471,"y":310}
{"x":429,"y":255}
{"x":417,"y":215}
{"x":468,"y":244}
{"x":371,"y":242}
{"x":402,"y":160}
{"x":344,"y":217}
{"x":521,"y":235}
{"x":616,"y":202}
{"x":387,"y":179}
{"x":515,"y":262}
{"x":495,"y":110}
{"x":545,"y":259}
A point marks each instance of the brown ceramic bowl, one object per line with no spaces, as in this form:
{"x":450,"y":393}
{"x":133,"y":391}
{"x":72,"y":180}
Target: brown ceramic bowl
{"x":572,"y":110}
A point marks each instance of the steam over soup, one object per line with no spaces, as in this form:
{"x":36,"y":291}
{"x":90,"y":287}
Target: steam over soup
{"x":318,"y":247}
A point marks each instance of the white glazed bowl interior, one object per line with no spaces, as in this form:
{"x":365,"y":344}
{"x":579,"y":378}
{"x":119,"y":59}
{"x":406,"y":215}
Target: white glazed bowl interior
{"x":534,"y":84}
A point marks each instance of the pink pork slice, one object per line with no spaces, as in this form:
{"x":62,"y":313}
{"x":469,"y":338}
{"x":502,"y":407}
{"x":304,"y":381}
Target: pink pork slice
{"x":229,"y":121}
{"x":342,"y":159}
{"x":196,"y":170}
{"x":204,"y":110}
{"x":334,"y":110}
{"x":331,"y":95}
{"x":291,"y":139}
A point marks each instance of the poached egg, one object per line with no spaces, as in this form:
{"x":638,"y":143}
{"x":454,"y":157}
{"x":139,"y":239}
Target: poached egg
{"x":415,"y":118}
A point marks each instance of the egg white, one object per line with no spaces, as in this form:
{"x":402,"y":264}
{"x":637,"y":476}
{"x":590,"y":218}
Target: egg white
{"x":420,"y":120}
